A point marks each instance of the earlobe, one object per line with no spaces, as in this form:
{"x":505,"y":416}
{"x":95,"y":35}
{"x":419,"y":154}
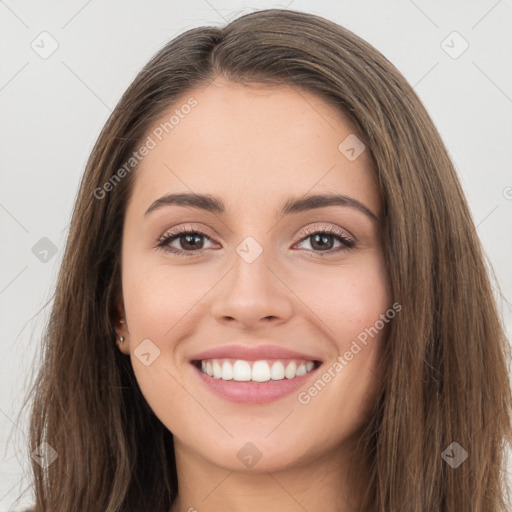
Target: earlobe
{"x":121,"y":336}
{"x":121,"y":327}
{"x":122,"y":345}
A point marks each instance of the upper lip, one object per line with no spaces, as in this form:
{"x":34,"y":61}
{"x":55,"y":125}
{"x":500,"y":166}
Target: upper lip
{"x":252,"y":353}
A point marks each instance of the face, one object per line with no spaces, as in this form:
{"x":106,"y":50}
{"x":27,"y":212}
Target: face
{"x":255,"y":281}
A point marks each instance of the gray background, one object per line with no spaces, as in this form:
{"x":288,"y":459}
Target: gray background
{"x":53,"y":109}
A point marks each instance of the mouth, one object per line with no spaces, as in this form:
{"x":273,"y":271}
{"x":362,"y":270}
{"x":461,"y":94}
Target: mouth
{"x":264,"y":370}
{"x":254,"y":382}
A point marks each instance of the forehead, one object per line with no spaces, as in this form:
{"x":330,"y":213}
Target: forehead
{"x":252,"y":144}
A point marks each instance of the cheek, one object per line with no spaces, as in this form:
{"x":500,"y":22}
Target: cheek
{"x":355,"y":309}
{"x":349,"y":299}
{"x":162,"y":305}
{"x":158,"y":298}
{"x":361,"y":298}
{"x":362,"y":325}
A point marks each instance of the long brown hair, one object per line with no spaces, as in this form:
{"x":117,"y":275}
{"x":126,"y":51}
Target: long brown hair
{"x":445,"y":375}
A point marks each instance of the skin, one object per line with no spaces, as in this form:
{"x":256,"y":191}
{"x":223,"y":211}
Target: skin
{"x":255,"y":147}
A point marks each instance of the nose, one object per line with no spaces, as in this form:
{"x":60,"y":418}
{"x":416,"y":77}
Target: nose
{"x":252,"y":295}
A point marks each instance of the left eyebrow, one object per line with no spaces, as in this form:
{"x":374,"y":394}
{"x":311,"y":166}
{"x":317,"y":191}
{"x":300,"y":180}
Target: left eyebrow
{"x":322,"y":200}
{"x":294,"y":205}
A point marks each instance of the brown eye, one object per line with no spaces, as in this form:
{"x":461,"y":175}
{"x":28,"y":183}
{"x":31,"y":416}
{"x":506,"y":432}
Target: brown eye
{"x":323,"y":240}
{"x":189,"y":242}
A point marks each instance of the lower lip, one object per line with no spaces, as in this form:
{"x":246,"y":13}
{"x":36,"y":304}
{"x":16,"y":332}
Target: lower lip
{"x":254,"y":392}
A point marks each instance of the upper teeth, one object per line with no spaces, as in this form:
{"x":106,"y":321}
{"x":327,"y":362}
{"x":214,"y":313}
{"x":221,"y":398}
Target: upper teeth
{"x":261,"y":371}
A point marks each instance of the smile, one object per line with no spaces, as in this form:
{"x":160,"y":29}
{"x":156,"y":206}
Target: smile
{"x":241,"y":370}
{"x":254,"y":382}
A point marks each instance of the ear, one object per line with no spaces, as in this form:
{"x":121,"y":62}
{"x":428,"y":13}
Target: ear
{"x":120,"y":326}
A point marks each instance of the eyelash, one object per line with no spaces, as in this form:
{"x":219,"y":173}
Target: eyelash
{"x":347,"y":243}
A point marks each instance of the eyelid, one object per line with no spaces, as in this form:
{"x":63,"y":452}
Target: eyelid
{"x":185,"y":229}
{"x":332,"y":230}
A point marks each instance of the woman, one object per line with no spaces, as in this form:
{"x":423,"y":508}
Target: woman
{"x":273,"y":294}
